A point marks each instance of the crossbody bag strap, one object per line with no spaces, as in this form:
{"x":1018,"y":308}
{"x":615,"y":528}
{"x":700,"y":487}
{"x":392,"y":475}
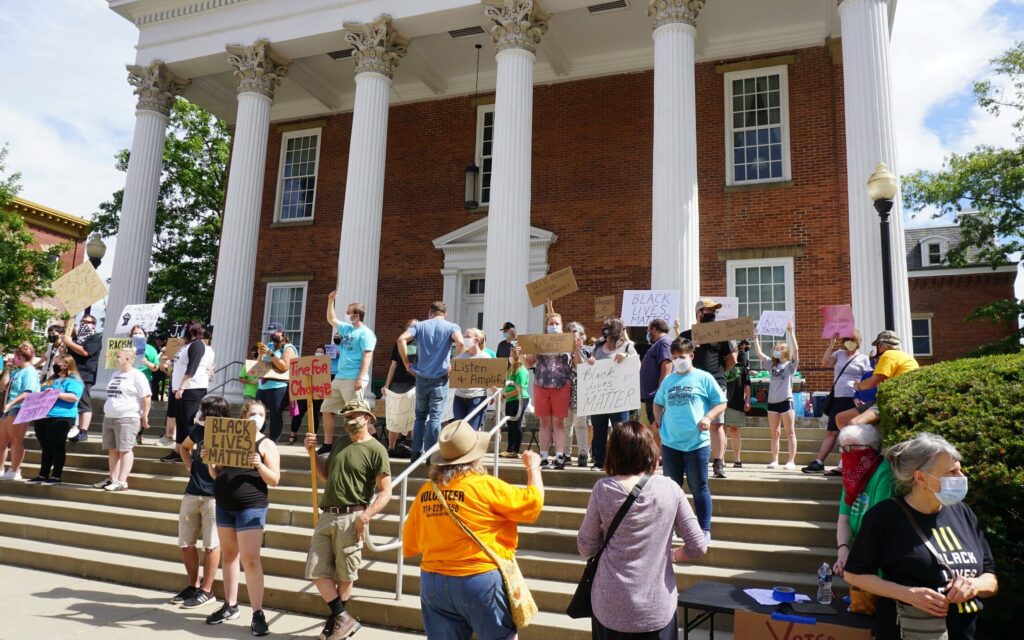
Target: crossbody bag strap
{"x":626,"y":504}
{"x":462,"y":525}
{"x":841,"y":372}
{"x":924,"y":538}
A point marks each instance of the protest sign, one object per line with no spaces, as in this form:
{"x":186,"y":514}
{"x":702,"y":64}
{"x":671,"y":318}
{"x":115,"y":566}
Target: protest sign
{"x":837,"y":320}
{"x":230,"y":441}
{"x":640,"y":307}
{"x":139,"y":344}
{"x":399,"y":410}
{"x":113,"y":346}
{"x":773,"y":323}
{"x":264,"y":370}
{"x":730,"y":307}
{"x":551,"y":287}
{"x":331,"y":350}
{"x":474,"y":373}
{"x":172,"y":347}
{"x":36,"y":406}
{"x":546,"y":343}
{"x":604,"y":306}
{"x":608,"y":386}
{"x":79,"y":288}
{"x":144,"y":315}
{"x":303,"y":370}
{"x":737,"y":329}
{"x":751,"y":625}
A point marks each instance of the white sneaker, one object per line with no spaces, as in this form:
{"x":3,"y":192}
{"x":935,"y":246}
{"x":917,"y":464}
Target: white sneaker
{"x":164,"y":441}
{"x":116,"y":486}
{"x":103,"y":484}
{"x":9,"y":475}
{"x":773,"y":465}
{"x":790,"y":466}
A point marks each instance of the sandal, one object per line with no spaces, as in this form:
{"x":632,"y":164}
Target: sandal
{"x":291,"y":439}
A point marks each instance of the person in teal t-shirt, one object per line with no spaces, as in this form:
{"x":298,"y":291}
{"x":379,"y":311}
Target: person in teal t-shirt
{"x":23,"y":381}
{"x":867,"y":481}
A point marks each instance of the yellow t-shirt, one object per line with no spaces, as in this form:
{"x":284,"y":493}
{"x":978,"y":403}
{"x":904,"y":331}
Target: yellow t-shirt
{"x":490,"y":508}
{"x":895,"y":363}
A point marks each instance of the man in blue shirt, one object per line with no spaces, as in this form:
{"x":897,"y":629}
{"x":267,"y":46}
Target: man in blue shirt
{"x":687,"y":403}
{"x":434,"y":338}
{"x":355,"y":353}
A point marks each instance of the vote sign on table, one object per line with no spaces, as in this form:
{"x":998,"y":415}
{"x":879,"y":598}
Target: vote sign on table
{"x":301,"y":371}
{"x":230,"y":441}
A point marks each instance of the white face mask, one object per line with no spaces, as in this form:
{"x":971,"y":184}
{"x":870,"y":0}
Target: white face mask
{"x":777,"y":355}
{"x":554,"y":328}
{"x":259,"y":420}
{"x":347,"y":319}
{"x":681,"y":365}
{"x":469,"y":343}
{"x":952,"y":489}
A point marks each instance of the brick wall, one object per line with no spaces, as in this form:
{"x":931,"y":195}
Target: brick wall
{"x":71,"y":258}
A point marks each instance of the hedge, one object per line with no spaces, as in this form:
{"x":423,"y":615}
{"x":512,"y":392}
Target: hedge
{"x":978,"y":405}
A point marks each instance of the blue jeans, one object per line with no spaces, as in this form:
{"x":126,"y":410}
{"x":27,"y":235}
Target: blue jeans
{"x":431,"y":394}
{"x":693,"y":465}
{"x":462,"y":407}
{"x":602,"y":424}
{"x":456,"y":606}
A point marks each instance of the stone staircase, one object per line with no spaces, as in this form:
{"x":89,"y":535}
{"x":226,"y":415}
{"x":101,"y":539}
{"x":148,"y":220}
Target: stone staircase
{"x":770,"y":527}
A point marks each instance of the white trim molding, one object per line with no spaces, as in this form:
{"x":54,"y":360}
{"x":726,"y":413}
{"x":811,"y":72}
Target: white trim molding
{"x":914,"y":317}
{"x":960,"y":271}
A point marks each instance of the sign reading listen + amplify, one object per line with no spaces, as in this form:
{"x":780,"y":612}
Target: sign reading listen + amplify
{"x":230,"y":441}
{"x":640,"y":307}
{"x":144,"y":315}
{"x":608,"y":386}
{"x":709,"y":332}
{"x":552,"y":287}
{"x":546,"y":343}
{"x":36,"y":406}
{"x":79,"y":288}
{"x":837,"y":320}
{"x":302,"y":370}
{"x":113,"y":346}
{"x":476,"y":373}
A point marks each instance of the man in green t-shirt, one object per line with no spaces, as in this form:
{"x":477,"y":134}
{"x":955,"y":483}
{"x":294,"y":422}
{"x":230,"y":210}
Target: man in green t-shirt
{"x":355,"y":467}
{"x":867,"y":481}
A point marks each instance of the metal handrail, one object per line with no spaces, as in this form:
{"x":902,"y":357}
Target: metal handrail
{"x":230,"y":379}
{"x":402,"y":480}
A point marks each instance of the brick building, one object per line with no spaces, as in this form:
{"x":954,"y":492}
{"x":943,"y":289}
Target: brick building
{"x":647,"y":144}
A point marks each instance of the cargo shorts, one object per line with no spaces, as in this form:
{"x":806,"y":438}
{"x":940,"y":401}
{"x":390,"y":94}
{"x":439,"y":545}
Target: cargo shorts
{"x":335,"y":550}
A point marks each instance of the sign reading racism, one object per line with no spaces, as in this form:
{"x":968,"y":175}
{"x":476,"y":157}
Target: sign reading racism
{"x":113,"y":346}
{"x":302,"y":370}
{"x":546,"y":343}
{"x":230,"y":441}
{"x":144,"y":315}
{"x":36,"y":406}
{"x":604,"y":306}
{"x":608,"y":386}
{"x":837,"y":320}
{"x":708,"y":332}
{"x":640,"y":307}
{"x":474,"y":373}
{"x":773,"y":323}
{"x":552,"y":287}
{"x":79,"y":288}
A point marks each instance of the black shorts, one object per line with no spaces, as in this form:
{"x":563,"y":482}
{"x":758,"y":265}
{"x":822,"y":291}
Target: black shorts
{"x":839,"y":405}
{"x":781,"y":407}
{"x":171,"y":402}
{"x":85,"y":402}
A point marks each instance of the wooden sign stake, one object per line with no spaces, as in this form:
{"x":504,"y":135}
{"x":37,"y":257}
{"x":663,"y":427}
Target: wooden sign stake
{"x":311,"y":426}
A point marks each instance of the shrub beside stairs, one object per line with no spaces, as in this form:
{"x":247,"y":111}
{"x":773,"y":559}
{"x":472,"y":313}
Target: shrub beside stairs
{"x":769,"y":528}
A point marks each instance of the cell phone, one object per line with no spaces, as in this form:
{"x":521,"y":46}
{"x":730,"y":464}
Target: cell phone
{"x":262,"y":346}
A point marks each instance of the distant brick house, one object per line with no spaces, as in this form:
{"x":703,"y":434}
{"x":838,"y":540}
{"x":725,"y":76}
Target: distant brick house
{"x":942,"y":296}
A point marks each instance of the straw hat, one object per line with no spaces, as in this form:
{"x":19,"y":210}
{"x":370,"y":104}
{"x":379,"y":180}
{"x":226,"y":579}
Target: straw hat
{"x":460,"y":443}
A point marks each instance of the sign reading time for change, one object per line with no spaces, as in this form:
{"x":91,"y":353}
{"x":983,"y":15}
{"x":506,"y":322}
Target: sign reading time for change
{"x":303,"y":371}
{"x":476,"y":373}
{"x":552,"y":287}
{"x":640,"y":307}
{"x":230,"y":441}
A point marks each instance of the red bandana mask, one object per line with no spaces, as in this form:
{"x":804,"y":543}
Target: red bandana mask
{"x":858,"y":467}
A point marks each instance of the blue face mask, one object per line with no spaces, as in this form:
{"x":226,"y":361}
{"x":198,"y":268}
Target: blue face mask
{"x":648,"y":336}
{"x":952,"y":489}
{"x":777,"y":355}
{"x":554,"y":329}
{"x":504,"y":335}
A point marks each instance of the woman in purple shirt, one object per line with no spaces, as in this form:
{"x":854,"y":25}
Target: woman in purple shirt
{"x":634,"y":591}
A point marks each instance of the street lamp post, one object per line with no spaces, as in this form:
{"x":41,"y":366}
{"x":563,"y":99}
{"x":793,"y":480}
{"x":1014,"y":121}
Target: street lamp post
{"x":95,"y":249}
{"x":882,"y":189}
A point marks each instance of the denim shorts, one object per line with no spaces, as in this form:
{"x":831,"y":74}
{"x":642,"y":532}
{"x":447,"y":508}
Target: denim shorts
{"x":243,"y":520}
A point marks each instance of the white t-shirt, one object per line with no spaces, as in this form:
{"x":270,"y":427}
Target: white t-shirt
{"x":201,"y":378}
{"x":125,"y":392}
{"x":850,"y":374}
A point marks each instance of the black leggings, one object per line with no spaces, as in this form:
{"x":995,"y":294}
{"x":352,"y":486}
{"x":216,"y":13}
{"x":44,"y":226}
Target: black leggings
{"x":52,"y":434}
{"x":303,"y":406}
{"x":515,"y":427}
{"x":276,"y":401}
{"x":185,"y":411}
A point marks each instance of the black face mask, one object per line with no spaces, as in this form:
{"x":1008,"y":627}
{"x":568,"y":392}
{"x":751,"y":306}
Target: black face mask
{"x":707,"y":317}
{"x":337,"y":340}
{"x":57,"y":369}
{"x":53,"y":338}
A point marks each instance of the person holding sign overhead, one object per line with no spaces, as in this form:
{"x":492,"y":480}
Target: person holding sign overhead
{"x":614,"y":343}
{"x":468,"y":399}
{"x":355,"y":352}
{"x":84,"y":347}
{"x":782,"y":366}
{"x":23,"y":381}
{"x":273,"y":393}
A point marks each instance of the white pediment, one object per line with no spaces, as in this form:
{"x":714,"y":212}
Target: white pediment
{"x":474,"y":236}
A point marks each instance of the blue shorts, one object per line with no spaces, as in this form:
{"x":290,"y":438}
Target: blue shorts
{"x":244,"y":520}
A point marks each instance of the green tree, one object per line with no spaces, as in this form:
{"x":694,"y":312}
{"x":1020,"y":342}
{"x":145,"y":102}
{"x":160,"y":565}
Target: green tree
{"x":25,"y":273}
{"x":189,"y":211}
{"x":989,"y":180}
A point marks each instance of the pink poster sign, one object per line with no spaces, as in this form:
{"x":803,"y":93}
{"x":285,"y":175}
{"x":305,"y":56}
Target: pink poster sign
{"x":36,"y":406}
{"x":837,"y":320}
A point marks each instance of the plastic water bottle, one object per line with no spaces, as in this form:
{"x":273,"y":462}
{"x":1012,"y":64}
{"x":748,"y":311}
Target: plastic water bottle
{"x":825,"y":584}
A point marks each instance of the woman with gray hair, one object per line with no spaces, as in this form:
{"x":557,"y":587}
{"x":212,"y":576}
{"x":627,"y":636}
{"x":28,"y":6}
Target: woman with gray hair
{"x":927,"y":543}
{"x":125,"y":415}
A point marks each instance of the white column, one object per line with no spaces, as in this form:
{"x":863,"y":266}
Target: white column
{"x":675,"y":241}
{"x":518,"y":27}
{"x":377,"y":48}
{"x":157,"y":89}
{"x":259,"y":71}
{"x":871,"y":138}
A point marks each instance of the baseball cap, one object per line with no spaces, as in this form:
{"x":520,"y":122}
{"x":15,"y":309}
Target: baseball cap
{"x":507,"y":326}
{"x":887,"y":337}
{"x":274,"y":327}
{"x":708,"y":303}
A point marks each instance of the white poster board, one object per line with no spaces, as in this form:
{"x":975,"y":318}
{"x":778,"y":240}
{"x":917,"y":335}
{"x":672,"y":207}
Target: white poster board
{"x":640,"y":307}
{"x":144,"y":315}
{"x":608,"y":386}
{"x":773,"y":323}
{"x":400,"y":410}
{"x":730,"y":307}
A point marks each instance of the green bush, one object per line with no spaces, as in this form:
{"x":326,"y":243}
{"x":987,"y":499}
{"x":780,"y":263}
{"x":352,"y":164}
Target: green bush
{"x":978,"y":405}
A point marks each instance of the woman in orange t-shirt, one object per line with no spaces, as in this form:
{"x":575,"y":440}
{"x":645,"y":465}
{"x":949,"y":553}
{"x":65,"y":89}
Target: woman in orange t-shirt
{"x":458,"y":582}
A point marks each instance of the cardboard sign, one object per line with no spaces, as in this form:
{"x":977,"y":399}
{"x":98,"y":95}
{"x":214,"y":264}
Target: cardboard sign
{"x":144,"y":315}
{"x":300,"y":370}
{"x":475,"y":373}
{"x":640,"y":307}
{"x":773,"y":323}
{"x":116,"y":344}
{"x":79,"y":288}
{"x":172,"y":347}
{"x":265,"y":371}
{"x":36,"y":406}
{"x":837,"y":320}
{"x":604,"y":306}
{"x":400,"y":410}
{"x":760,"y":626}
{"x":708,"y":332}
{"x":230,"y":441}
{"x":546,"y":343}
{"x":730,"y":307}
{"x":552,"y":287}
{"x":608,"y":386}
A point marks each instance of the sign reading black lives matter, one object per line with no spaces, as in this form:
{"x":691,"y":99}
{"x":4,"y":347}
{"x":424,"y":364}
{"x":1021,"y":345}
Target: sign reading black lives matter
{"x":230,"y":441}
{"x":608,"y":386}
{"x":476,"y":373}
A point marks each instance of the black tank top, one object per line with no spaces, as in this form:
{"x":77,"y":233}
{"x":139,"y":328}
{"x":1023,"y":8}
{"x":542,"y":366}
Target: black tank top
{"x":235,"y":489}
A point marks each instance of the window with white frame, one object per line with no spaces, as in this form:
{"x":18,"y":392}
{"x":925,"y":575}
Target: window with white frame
{"x":286,"y":303}
{"x":921,"y":328}
{"x":933,"y":252}
{"x":296,"y":188}
{"x":757,"y":125}
{"x":761,"y":285}
{"x":484,"y":150}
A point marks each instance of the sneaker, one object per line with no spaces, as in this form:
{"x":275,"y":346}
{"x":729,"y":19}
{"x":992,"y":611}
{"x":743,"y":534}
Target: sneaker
{"x":37,"y":480}
{"x":774,"y":464}
{"x":340,"y":627}
{"x":718,"y":469}
{"x":737,"y":465}
{"x":559,"y":463}
{"x":226,"y":612}
{"x":164,"y":441}
{"x":81,"y":436}
{"x":259,"y":626}
{"x":545,"y":462}
{"x":199,"y":599}
{"x":814,"y":467}
{"x":11,"y":475}
{"x":790,"y":466}
{"x":116,"y":486}
{"x":582,"y":461}
{"x":52,"y":481}
{"x":102,"y":484}
{"x":184,"y":594}
{"x":835,"y":472}
{"x":173,"y":456}
{"x":324,"y":449}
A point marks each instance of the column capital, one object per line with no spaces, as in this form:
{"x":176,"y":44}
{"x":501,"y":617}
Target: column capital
{"x":155,"y":86}
{"x":377,"y":46}
{"x":257,"y":67}
{"x":518,"y":24}
{"x":663,"y":12}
